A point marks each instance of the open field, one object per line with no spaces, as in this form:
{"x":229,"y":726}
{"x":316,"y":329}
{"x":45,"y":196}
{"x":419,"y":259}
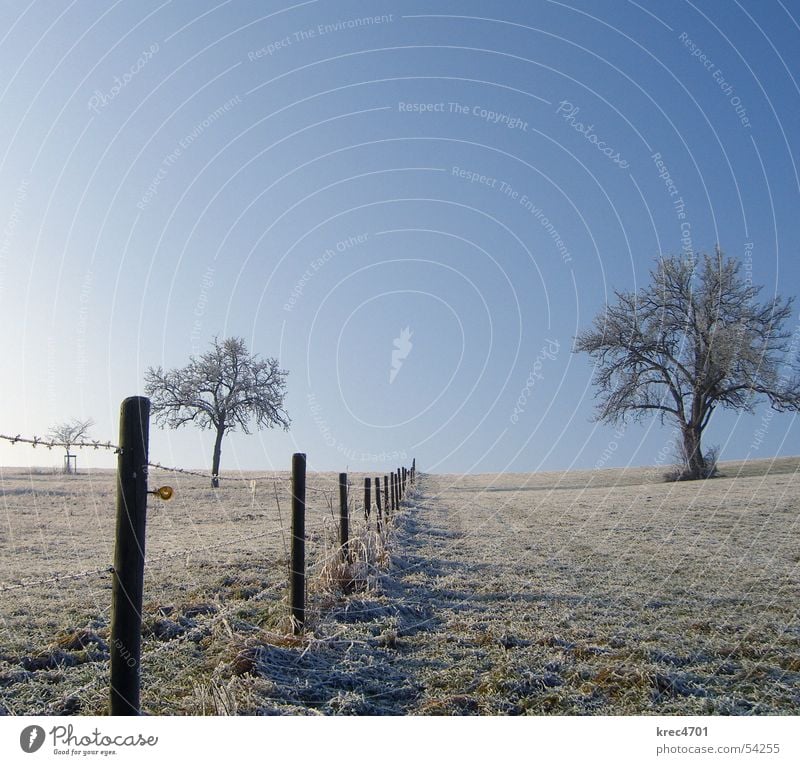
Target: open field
{"x":597,"y":592}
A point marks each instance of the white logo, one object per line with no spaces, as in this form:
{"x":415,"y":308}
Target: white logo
{"x":403,"y":346}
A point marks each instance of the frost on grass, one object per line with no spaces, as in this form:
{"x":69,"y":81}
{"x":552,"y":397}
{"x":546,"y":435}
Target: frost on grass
{"x":583,"y":593}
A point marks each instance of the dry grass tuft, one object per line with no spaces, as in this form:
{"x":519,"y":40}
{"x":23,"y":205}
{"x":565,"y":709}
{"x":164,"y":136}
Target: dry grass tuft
{"x":74,"y":640}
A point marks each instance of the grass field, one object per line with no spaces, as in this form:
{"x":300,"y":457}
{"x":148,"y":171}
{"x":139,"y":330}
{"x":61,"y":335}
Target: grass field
{"x":596,"y":592}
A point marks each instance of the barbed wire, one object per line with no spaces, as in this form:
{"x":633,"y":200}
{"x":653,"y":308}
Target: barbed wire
{"x":211,"y":476}
{"x":35,"y":441}
{"x":109,"y":569}
{"x":324,"y":523}
{"x":56,"y":578}
{"x":53,"y":444}
{"x":159,"y":466}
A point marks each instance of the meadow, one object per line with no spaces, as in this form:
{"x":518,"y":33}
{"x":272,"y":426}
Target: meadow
{"x":594,"y":592}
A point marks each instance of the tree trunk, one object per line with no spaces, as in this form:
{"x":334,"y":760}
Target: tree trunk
{"x":217,"y":454}
{"x":695,"y":462}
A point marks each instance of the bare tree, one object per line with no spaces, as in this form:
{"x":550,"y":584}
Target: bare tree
{"x":67,"y":434}
{"x":693,"y":340}
{"x":224,"y":389}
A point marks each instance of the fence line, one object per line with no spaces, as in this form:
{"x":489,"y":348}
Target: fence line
{"x":130,"y":560}
{"x":35,"y":441}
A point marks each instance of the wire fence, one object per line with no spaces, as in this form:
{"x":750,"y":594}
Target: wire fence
{"x":189,"y":542}
{"x":48,"y":443}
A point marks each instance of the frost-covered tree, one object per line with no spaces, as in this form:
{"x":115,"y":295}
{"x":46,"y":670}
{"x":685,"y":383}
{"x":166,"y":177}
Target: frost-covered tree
{"x":67,"y":434}
{"x":696,"y":338}
{"x":224,"y":389}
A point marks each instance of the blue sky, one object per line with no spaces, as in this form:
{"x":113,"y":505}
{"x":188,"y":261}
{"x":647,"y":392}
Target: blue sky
{"x":318,"y":177}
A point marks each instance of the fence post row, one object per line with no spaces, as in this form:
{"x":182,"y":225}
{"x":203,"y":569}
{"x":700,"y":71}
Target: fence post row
{"x":344,"y":521}
{"x":129,"y":551}
{"x":297,"y":595}
{"x":128,"y":574}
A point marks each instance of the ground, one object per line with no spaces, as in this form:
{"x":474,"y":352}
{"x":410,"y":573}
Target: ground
{"x":597,"y":592}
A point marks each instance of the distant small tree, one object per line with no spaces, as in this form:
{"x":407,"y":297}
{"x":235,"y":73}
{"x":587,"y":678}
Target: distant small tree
{"x":693,"y":340}
{"x":67,"y":434}
{"x":223,"y":389}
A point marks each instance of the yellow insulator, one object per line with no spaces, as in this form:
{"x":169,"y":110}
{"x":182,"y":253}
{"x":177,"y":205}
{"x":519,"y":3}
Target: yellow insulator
{"x":163,"y":492}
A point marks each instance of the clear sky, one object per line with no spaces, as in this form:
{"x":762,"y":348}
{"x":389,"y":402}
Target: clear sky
{"x":318,"y":177}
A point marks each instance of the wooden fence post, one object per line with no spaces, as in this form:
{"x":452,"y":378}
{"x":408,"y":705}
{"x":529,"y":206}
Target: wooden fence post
{"x":128,"y":576}
{"x":379,"y":516}
{"x":394,"y":493}
{"x":344,"y":521}
{"x":297,"y":594}
{"x":413,"y":470}
{"x":386,"y":494}
{"x":367,"y":498}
